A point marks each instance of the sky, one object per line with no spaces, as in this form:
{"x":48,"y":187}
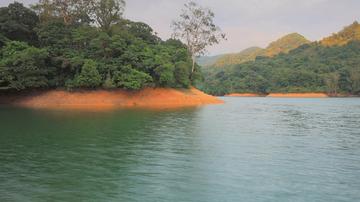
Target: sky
{"x":249,"y":23}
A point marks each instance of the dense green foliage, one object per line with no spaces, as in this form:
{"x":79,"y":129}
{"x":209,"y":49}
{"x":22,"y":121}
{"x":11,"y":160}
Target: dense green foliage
{"x":23,"y":67}
{"x":18,"y":23}
{"x":309,"y":68}
{"x":89,"y":76}
{"x":47,"y":49}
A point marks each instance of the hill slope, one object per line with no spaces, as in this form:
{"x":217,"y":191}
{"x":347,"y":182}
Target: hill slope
{"x":238,"y":58}
{"x":282,"y":45}
{"x":349,"y":33}
{"x":285,"y":44}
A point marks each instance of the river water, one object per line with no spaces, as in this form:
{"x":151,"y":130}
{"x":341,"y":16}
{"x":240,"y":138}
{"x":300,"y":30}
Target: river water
{"x":249,"y":149}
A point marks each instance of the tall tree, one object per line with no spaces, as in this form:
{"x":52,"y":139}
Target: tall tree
{"x":197,"y":28}
{"x":69,"y":11}
{"x":332,"y":82}
{"x":45,"y":10}
{"x":108,"y":12}
{"x":75,"y":11}
{"x":102,"y":12}
{"x":355,"y":80}
{"x":18,"y":22}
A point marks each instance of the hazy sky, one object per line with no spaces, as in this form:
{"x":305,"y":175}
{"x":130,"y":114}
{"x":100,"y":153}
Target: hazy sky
{"x":250,"y":22}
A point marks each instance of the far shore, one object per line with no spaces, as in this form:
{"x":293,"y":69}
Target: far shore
{"x":99,"y":100}
{"x":289,"y":95}
{"x":299,"y":95}
{"x":245,"y":95}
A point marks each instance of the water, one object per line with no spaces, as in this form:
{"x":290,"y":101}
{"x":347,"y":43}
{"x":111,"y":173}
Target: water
{"x":250,"y":149}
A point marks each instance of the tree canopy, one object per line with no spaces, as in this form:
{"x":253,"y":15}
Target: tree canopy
{"x":85,"y":44}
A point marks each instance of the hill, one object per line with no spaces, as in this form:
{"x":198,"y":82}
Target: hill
{"x":282,"y":45}
{"x":238,"y":58}
{"x":285,"y":44}
{"x":349,"y":33}
{"x":310,"y":68}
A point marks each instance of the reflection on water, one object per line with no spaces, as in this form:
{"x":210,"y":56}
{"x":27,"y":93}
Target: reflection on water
{"x":250,"y":149}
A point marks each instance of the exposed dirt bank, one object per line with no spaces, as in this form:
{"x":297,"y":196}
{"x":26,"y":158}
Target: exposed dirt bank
{"x":298,"y":95}
{"x":153,"y":98}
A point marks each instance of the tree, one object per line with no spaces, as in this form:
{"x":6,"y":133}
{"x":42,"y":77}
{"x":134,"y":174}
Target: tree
{"x":143,"y":31}
{"x":66,"y":10}
{"x":332,"y":82}
{"x":181,"y":73}
{"x":101,"y":45}
{"x":89,"y":76}
{"x":165,"y":74}
{"x":82,"y":36}
{"x":355,"y":80}
{"x":131,"y":79}
{"x":107,"y":12}
{"x":18,"y":22}
{"x":196,"y":27}
{"x":69,"y":11}
{"x":45,"y":9}
{"x":54,"y":35}
{"x":23,"y":67}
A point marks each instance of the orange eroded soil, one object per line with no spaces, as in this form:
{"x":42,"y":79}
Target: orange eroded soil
{"x":156,"y":98}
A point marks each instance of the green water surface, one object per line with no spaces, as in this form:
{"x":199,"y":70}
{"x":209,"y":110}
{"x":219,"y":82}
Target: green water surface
{"x":249,"y":149}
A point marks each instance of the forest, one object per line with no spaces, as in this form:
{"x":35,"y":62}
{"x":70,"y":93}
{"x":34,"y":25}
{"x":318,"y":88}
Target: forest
{"x":309,"y":68}
{"x":313,"y":67}
{"x":88,"y":44}
{"x":80,"y":44}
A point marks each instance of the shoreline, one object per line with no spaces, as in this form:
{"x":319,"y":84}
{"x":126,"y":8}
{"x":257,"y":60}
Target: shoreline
{"x":244,"y":95}
{"x":298,"y":95}
{"x":291,"y":95}
{"x":104,"y":100}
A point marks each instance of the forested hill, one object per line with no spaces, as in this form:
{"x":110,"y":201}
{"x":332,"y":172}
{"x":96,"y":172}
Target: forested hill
{"x":310,"y":68}
{"x":44,"y":47}
{"x":282,"y":45}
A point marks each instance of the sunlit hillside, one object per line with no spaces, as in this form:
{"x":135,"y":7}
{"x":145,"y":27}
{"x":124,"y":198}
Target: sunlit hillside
{"x":282,"y":45}
{"x":349,"y":33}
{"x":285,"y":44}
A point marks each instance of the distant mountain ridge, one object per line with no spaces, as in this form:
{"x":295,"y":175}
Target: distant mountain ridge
{"x":285,"y":44}
{"x":282,"y":45}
